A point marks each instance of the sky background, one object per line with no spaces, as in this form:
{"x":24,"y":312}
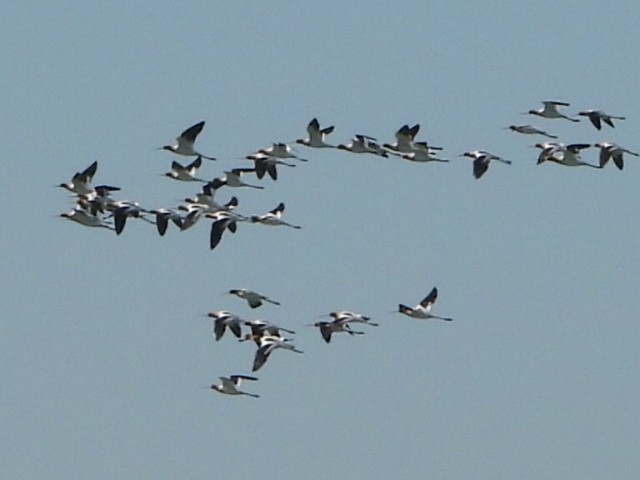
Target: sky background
{"x":104,"y":347}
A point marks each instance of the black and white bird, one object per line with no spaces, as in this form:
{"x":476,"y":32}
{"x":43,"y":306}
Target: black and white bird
{"x":530,"y":130}
{"x":185,"y":173}
{"x":267,"y":346}
{"x":163,"y":216}
{"x":265,"y":164}
{"x":363,"y":144}
{"x":550,"y":110}
{"x":481,"y":160}
{"x":567,"y":155}
{"x":185,"y":143}
{"x":261,"y":329}
{"x":254,"y":299}
{"x":222,"y":319}
{"x":273,"y":218}
{"x":230,"y":385}
{"x":233,"y":178}
{"x":222,"y":220}
{"x":423,"y":309}
{"x":316,"y":135}
{"x":280,"y":150}
{"x":80,"y":183}
{"x":611,"y":151}
{"x":404,"y":140}
{"x":351,"y":317}
{"x":598,"y":116}
{"x":422,"y":153}
{"x":86,"y":218}
{"x":339,"y":325}
{"x":123,"y":209}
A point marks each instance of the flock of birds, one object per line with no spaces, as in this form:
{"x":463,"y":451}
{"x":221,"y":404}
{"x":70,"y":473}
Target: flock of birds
{"x":95,"y":207}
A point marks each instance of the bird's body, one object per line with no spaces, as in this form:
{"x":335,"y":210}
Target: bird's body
{"x":404,"y":140}
{"x":550,"y":110}
{"x":185,"y":173}
{"x":530,"y":130}
{"x":81,"y":181}
{"x":222,"y":319}
{"x":230,"y":385}
{"x":185,"y":143}
{"x":86,"y":219}
{"x":568,"y":155}
{"x":273,"y":218}
{"x":481,"y":160}
{"x":316,"y":136}
{"x":254,"y":299}
{"x":611,"y":151}
{"x":267,"y":346}
{"x":598,"y":116}
{"x":423,"y":309}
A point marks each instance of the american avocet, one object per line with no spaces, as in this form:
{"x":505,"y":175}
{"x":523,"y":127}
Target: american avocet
{"x":423,"y":309}
{"x":359,"y":144}
{"x":614,"y":152}
{"x":231,"y":384}
{"x":481,"y":160}
{"x":280,"y":150}
{"x":598,"y":116}
{"x":273,"y":218}
{"x":81,"y":182}
{"x":163,"y":215}
{"x":233,"y":178}
{"x":530,"y":130}
{"x":550,"y":110}
{"x":336,"y":326}
{"x":222,"y":220}
{"x":261,"y":329}
{"x":316,"y":135}
{"x":222,"y":319}
{"x":185,"y":173}
{"x":351,"y":317}
{"x":254,"y":299}
{"x":184,"y":143}
{"x":124,"y":209}
{"x":569,"y":154}
{"x":423,"y":153}
{"x":266,"y":164}
{"x":267,"y":346}
{"x":86,"y":218}
{"x":404,"y":139}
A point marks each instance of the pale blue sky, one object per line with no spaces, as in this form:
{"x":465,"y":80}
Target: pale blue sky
{"x":104,"y":347}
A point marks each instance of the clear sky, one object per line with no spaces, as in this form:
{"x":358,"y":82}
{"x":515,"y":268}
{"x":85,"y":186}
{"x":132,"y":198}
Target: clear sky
{"x":104,"y":347}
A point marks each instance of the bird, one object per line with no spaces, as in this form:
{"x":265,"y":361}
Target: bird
{"x":363,"y":144}
{"x":223,"y":220}
{"x":81,"y":181}
{"x":267,"y":346}
{"x":254,"y":299}
{"x":351,"y":317}
{"x":316,"y":135}
{"x":404,"y":139}
{"x":231,"y":384}
{"x":273,"y":218}
{"x":614,"y":152}
{"x":185,"y":173}
{"x":233,"y":178}
{"x":125,"y":209}
{"x":481,"y":160}
{"x":550,"y":110}
{"x":264,"y":164}
{"x":185,"y":143}
{"x":569,"y":154}
{"x":86,"y":218}
{"x":335,"y":326}
{"x":598,"y":116}
{"x":222,"y":319}
{"x":422,"y":310}
{"x":163,"y":215}
{"x":280,"y":150}
{"x":530,"y":130}
{"x":261,"y":329}
{"x":422,"y":152}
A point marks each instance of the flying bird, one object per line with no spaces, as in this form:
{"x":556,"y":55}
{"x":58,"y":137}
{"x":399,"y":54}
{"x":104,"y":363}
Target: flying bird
{"x":231,"y":384}
{"x":254,"y":299}
{"x":611,"y":151}
{"x":316,"y":135}
{"x":423,"y":309}
{"x":598,"y":116}
{"x":185,"y":143}
{"x":273,"y":218}
{"x":481,"y":160}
